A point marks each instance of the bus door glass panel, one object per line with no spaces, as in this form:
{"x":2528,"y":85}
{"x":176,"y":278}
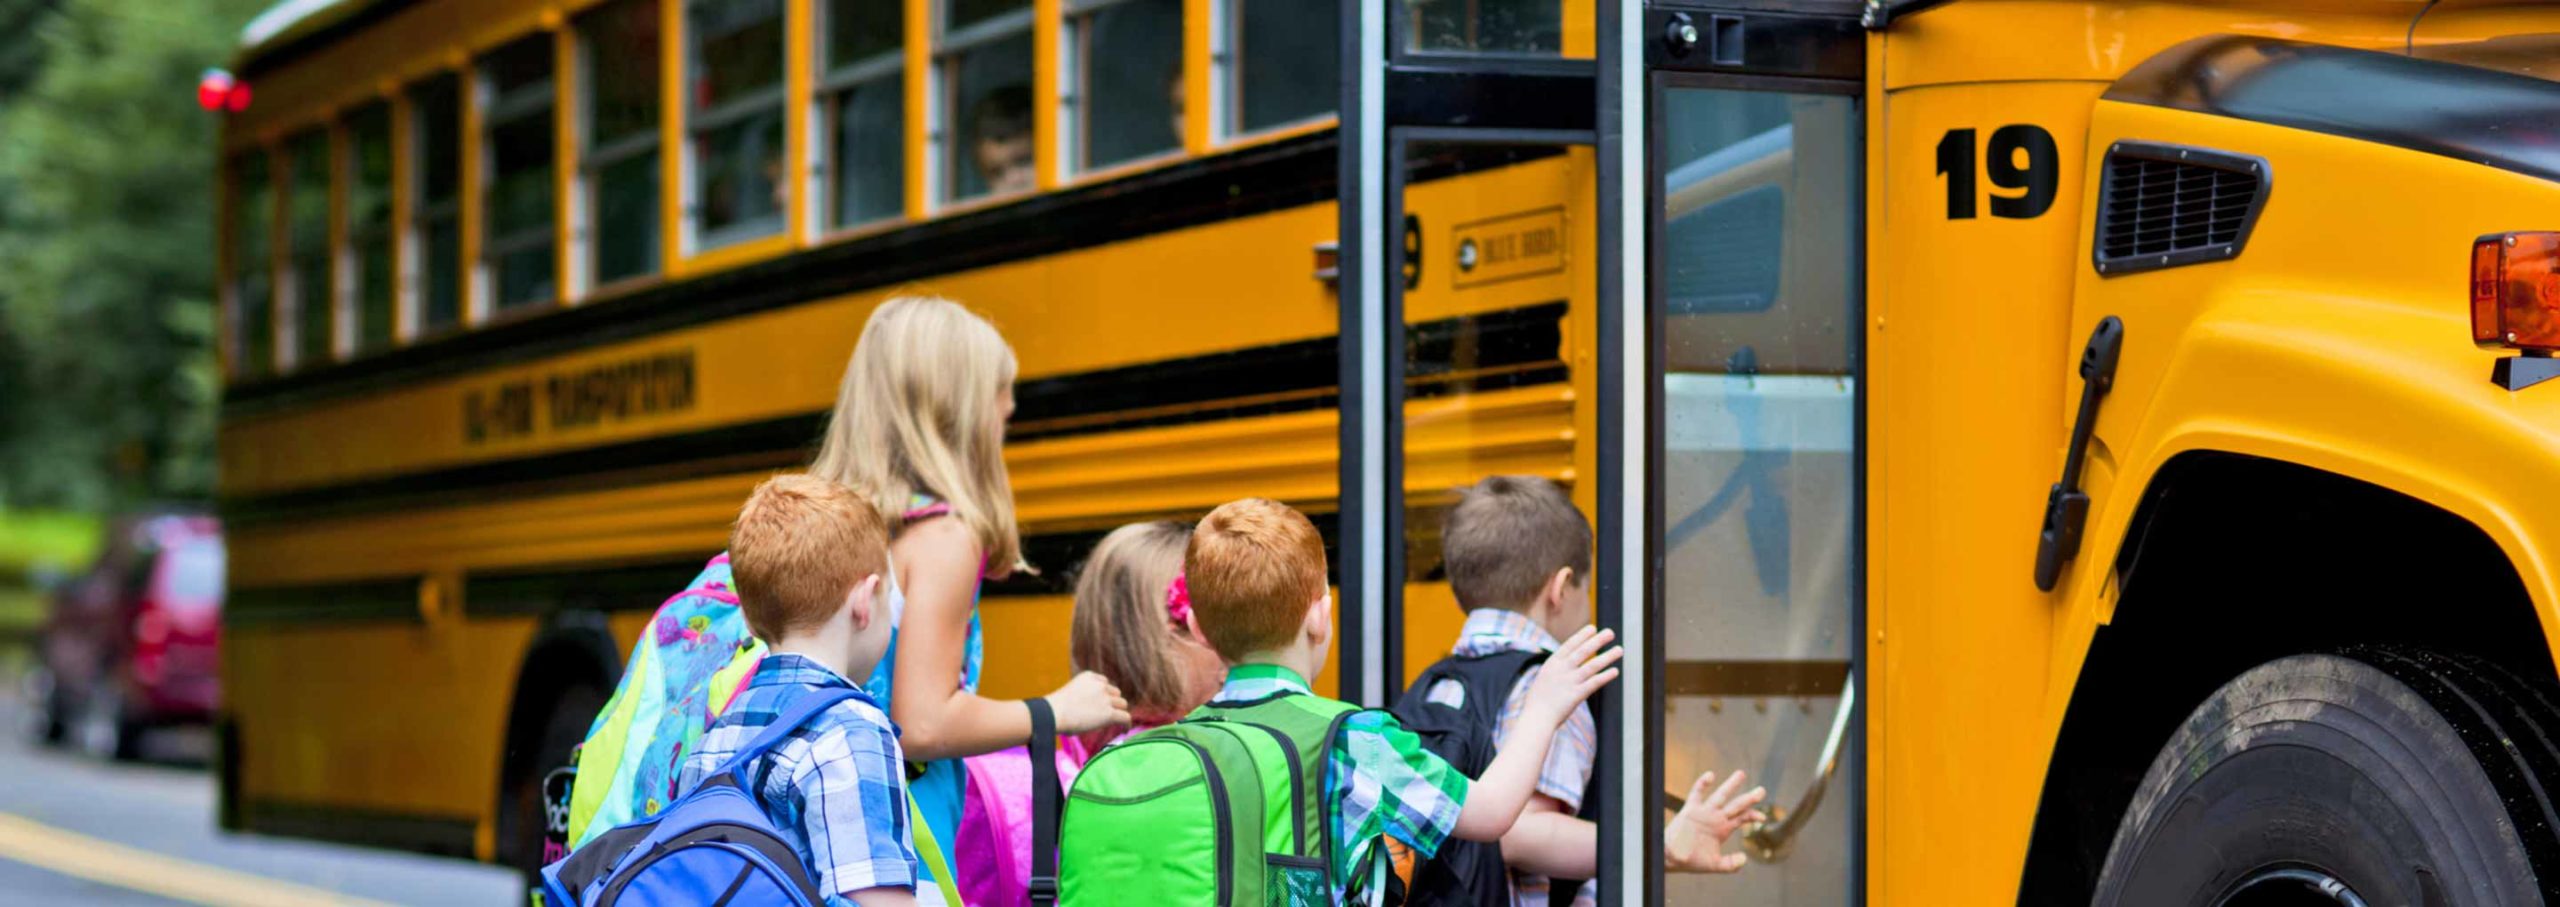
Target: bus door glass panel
{"x":1756,"y":287}
{"x":1489,"y":302}
{"x":1507,"y":27}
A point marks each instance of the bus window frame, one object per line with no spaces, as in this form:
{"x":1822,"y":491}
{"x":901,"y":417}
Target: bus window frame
{"x":236,"y":366}
{"x":943,"y":122}
{"x":418,"y":217}
{"x":707,"y":249}
{"x":540,"y":99}
{"x":1658,"y":81}
{"x":1076,"y":19}
{"x":1399,"y":26}
{"x":1226,"y":86}
{"x":291,"y":298}
{"x":353,"y":237}
{"x":829,"y":81}
{"x":585,"y":180}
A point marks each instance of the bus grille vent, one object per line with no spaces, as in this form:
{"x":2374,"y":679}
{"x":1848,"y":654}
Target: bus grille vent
{"x":2161,"y":206}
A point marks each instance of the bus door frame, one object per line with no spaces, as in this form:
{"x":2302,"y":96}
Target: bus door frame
{"x":1637,"y":67}
{"x":1392,"y":98}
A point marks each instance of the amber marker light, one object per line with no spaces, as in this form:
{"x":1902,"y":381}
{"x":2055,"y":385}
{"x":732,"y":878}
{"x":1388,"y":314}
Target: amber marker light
{"x":2515,"y":304}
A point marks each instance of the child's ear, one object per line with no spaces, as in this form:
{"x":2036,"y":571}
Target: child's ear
{"x":1318,"y":627}
{"x":863,"y":601}
{"x":1562,"y":580}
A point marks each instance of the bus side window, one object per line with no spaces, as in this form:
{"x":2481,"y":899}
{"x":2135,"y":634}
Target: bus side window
{"x":618,"y":169}
{"x":1484,"y":26}
{"x":435,"y":225}
{"x":983,"y":59}
{"x":734,"y":89}
{"x":252,"y":267}
{"x":517,"y":266}
{"x":1125,"y":76}
{"x":308,"y":291}
{"x":862,"y":102}
{"x":1279,"y":65}
{"x":369,"y":228}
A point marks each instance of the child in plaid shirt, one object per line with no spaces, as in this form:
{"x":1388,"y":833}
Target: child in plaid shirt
{"x":1518,"y":555}
{"x":808,"y":555}
{"x":1255,"y":571}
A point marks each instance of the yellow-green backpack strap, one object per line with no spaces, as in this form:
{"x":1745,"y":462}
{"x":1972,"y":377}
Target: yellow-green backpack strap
{"x":931,"y":851}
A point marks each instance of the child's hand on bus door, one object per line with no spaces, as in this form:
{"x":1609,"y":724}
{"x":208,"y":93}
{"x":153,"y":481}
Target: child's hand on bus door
{"x":1578,"y":669}
{"x":1694,"y":842}
{"x":1086,"y":703}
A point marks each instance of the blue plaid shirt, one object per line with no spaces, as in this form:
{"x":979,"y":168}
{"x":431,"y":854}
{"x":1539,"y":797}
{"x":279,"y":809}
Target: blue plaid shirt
{"x":836,"y":786}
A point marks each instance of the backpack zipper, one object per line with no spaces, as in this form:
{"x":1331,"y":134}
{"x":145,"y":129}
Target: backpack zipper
{"x":1297,"y":796}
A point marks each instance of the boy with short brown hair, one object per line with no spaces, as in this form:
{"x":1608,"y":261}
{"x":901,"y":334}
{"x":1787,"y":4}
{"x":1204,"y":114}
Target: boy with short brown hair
{"x":808,"y":556}
{"x":1518,"y":556}
{"x":1255,"y":572}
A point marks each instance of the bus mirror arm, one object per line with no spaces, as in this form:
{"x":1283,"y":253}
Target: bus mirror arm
{"x":1772,"y":840}
{"x":2066,"y":507}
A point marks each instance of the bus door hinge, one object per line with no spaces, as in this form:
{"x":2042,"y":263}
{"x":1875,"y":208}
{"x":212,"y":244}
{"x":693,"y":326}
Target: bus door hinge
{"x":2066,"y":507}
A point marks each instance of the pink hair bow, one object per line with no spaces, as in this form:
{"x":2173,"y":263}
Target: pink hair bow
{"x":1177,"y":600}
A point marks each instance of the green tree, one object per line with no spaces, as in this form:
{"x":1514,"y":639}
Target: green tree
{"x":107,"y":321}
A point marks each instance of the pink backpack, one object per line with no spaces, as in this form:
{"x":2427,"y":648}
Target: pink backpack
{"x":992,"y":856}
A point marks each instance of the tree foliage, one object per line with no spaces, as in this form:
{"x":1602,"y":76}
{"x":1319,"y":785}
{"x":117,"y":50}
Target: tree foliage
{"x":107,"y":317}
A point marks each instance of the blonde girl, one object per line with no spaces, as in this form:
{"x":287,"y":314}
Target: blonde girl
{"x":919,"y":427}
{"x":1126,"y":629}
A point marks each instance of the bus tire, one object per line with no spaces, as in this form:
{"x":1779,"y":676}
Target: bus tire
{"x":2399,"y":776}
{"x":563,"y":727}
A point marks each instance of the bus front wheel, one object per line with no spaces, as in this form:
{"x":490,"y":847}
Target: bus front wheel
{"x":2375,"y":776}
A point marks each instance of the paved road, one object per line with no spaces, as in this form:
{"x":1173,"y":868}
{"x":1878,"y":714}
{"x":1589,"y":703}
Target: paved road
{"x":161,"y":847}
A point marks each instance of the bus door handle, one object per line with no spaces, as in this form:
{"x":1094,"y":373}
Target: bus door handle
{"x":2066,"y":507}
{"x":1771,"y":841}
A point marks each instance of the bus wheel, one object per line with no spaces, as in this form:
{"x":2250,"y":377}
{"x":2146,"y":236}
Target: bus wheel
{"x":2375,"y":776}
{"x":527,"y":816}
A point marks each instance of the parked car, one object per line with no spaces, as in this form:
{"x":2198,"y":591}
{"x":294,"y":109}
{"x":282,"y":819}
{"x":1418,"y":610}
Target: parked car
{"x":129,"y":646}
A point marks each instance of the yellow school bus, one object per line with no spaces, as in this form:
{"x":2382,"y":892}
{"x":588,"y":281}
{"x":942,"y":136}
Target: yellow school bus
{"x":2068,"y":451}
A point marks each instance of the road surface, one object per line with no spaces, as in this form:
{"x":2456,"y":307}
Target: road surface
{"x":79,"y":831}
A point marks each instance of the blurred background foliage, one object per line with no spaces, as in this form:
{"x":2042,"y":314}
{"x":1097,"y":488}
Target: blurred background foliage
{"x":107,"y":319}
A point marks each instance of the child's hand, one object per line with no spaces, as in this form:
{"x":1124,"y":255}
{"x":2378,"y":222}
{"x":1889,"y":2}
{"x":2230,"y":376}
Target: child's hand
{"x":1088,"y":703}
{"x":1576,"y":670}
{"x":1695,"y":840}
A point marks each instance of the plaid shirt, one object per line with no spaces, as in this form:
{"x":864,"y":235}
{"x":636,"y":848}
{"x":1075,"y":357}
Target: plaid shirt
{"x":1379,"y":780}
{"x":836,"y":786}
{"x":1568,"y":767}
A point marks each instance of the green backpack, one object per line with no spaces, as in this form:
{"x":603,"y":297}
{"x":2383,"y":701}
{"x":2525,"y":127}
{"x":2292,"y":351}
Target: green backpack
{"x":1225,"y":807}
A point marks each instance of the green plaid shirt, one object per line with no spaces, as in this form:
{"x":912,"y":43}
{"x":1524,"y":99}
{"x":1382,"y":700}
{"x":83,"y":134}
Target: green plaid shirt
{"x":1379,"y":780}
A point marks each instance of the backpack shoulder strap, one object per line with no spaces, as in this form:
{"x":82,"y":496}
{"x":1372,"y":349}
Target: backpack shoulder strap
{"x":1044,"y":804}
{"x":790,"y":720}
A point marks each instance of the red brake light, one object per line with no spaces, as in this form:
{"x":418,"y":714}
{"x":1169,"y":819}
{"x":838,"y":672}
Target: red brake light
{"x":2515,"y":291}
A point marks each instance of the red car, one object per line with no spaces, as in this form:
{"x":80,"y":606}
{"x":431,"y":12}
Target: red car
{"x":130,"y":645}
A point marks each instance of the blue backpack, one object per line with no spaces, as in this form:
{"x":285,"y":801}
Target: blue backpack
{"x":712,"y":846}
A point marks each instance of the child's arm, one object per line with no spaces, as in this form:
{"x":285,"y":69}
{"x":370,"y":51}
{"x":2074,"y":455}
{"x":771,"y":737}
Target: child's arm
{"x":1570,"y":676}
{"x":1694,"y":841}
{"x":1551,"y":842}
{"x":883,"y":897}
{"x":939,"y":719}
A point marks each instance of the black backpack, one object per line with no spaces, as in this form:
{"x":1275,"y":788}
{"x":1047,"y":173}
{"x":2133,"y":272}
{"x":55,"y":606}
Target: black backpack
{"x":1463,"y":872}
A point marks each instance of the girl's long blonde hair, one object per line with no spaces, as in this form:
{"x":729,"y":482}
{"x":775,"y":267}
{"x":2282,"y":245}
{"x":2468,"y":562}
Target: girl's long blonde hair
{"x":1121,"y":628}
{"x":917,"y":414}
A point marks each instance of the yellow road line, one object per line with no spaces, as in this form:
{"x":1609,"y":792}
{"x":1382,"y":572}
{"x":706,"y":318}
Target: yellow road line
{"x":45,"y":847}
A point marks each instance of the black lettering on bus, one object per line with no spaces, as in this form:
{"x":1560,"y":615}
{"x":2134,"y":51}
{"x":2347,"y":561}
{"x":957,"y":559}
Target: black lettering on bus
{"x":2038,"y":180}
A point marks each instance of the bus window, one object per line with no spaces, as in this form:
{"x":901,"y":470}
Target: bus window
{"x":1757,"y":258}
{"x":734,"y":115}
{"x":1281,"y":66}
{"x":253,"y":208}
{"x":1484,"y":26}
{"x":618,"y":169}
{"x":368,"y":253}
{"x":308,"y":293}
{"x":1125,"y":69}
{"x":516,"y":258}
{"x":984,"y":61}
{"x":862,"y":99}
{"x":435,"y":225}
